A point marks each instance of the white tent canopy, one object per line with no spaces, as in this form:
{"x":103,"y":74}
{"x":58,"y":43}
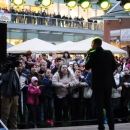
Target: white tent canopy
{"x":85,"y":45}
{"x":34,"y":45}
{"x":62,"y":46}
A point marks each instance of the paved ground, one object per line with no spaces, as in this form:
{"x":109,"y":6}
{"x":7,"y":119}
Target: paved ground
{"x":94,"y":127}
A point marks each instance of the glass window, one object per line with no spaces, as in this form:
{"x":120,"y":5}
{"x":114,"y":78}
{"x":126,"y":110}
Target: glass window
{"x":83,"y":13}
{"x":68,"y":38}
{"x":18,"y":8}
{"x":27,"y":7}
{"x":74,"y":12}
{"x":90,"y":12}
{"x":79,"y":38}
{"x":100,"y":12}
{"x":14,"y":37}
{"x":36,"y":9}
{"x":2,"y":3}
{"x":53,"y":8}
{"x":32,"y":35}
{"x":63,"y":9}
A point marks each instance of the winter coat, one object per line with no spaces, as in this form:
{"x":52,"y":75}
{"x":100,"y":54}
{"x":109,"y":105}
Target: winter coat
{"x":47,"y":88}
{"x":32,"y":95}
{"x":103,"y":65}
{"x":125,"y":91}
{"x":10,"y":84}
{"x":115,"y":93}
{"x":79,"y":89}
{"x":66,"y":60}
{"x":58,"y":82}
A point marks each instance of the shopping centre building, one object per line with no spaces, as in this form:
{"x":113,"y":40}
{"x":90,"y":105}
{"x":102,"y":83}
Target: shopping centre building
{"x":72,"y":31}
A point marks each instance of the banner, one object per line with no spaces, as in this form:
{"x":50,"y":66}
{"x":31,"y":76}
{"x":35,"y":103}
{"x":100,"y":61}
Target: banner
{"x":125,"y":35}
{"x":5,"y":17}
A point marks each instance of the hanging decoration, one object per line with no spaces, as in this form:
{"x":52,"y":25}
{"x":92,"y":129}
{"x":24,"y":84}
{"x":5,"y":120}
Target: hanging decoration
{"x":18,"y":2}
{"x":46,"y":3}
{"x":85,"y":4}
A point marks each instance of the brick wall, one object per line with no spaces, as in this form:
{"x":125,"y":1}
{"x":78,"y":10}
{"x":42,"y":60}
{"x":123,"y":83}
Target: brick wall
{"x":114,"y":25}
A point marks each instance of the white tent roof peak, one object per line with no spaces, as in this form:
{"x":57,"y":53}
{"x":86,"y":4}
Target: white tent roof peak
{"x":85,"y":45}
{"x":64,"y":45}
{"x":35,"y":45}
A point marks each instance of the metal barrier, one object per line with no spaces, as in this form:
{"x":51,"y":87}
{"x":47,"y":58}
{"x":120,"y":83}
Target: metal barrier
{"x":50,"y":21}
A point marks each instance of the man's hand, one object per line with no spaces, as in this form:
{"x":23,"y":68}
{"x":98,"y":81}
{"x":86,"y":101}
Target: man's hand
{"x":125,"y":83}
{"x":67,"y":85}
{"x":78,"y":83}
{"x":119,"y":89}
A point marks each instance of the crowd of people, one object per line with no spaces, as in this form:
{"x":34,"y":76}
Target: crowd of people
{"x":43,"y":18}
{"x":53,"y":89}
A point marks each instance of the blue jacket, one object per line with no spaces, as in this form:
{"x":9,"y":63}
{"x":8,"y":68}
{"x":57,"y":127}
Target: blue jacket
{"x":47,"y":88}
{"x":89,"y":78}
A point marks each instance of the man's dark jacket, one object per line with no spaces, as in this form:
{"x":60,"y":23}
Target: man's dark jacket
{"x":125,"y":91}
{"x":10,"y":85}
{"x":103,"y":65}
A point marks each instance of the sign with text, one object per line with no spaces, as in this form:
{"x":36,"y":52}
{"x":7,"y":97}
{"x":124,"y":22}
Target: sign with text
{"x":125,"y":35}
{"x":5,"y":17}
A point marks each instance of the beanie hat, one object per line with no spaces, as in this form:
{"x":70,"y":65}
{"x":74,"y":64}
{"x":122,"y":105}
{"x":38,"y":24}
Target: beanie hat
{"x":34,"y":79}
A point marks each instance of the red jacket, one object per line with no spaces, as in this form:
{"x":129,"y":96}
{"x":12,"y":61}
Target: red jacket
{"x":33,"y":93}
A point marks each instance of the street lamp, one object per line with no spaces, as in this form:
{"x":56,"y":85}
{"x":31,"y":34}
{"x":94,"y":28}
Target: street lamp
{"x":85,"y":4}
{"x":104,"y":4}
{"x":126,"y":4}
{"x":71,"y":3}
{"x":46,"y":3}
{"x":18,"y":2}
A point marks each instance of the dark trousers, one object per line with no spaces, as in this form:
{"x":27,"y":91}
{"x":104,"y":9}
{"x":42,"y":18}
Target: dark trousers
{"x":102,"y":97}
{"x":76,"y":110}
{"x":48,"y":108}
{"x":116,"y":104}
{"x":9,"y":109}
{"x":125,"y":101}
{"x":33,"y":113}
{"x":61,"y":109}
{"x":89,"y":109}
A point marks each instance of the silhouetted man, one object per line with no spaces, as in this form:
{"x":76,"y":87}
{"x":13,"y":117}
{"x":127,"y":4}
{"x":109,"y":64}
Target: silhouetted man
{"x":103,"y":65}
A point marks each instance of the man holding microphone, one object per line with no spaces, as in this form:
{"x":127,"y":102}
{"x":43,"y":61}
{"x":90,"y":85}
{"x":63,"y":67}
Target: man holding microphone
{"x":103,"y":65}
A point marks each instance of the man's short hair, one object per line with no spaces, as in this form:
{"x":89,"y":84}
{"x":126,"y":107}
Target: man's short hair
{"x":97,"y":41}
{"x":57,"y":59}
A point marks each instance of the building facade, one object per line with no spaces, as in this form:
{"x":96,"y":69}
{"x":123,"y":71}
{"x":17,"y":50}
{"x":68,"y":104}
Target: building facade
{"x":19,"y":32}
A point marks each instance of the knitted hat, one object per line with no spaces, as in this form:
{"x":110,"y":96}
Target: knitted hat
{"x":34,"y":79}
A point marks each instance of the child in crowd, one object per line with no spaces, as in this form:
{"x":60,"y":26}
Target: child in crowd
{"x":77,"y":97}
{"x":47,"y":95}
{"x":33,"y":100}
{"x":43,"y":67}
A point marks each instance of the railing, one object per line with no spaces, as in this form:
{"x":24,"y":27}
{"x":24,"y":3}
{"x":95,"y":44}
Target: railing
{"x":49,"y":21}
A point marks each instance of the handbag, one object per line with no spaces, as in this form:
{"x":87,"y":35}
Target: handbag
{"x":87,"y":92}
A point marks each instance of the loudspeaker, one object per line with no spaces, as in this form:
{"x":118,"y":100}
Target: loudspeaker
{"x":3,"y":44}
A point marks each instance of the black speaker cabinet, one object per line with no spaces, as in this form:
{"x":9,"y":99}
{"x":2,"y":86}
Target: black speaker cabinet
{"x":3,"y":44}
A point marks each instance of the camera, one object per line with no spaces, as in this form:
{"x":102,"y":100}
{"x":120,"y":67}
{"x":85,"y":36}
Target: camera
{"x":11,"y":62}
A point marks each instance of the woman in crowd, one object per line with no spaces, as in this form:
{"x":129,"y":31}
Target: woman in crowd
{"x":63,"y":81}
{"x":66,"y":57}
{"x":125,"y":87}
{"x":74,"y":67}
{"x":116,"y":96}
